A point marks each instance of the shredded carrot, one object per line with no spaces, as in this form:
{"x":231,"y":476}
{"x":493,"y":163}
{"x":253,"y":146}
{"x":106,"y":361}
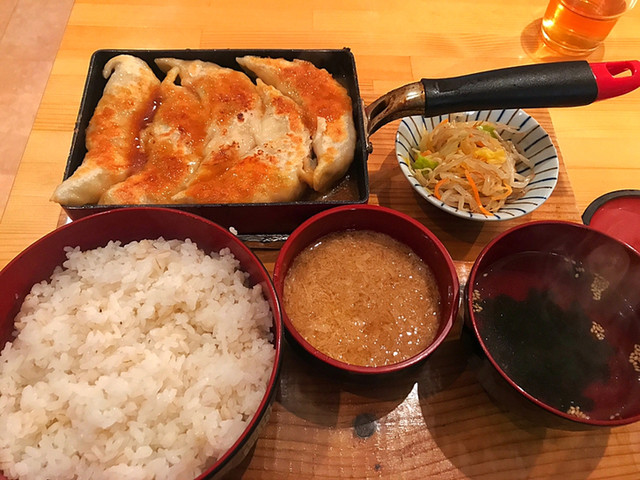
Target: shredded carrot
{"x":476,"y":193}
{"x":444,"y":122}
{"x":436,"y":188}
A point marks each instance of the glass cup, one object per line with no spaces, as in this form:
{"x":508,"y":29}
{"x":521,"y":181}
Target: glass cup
{"x":578,"y":27}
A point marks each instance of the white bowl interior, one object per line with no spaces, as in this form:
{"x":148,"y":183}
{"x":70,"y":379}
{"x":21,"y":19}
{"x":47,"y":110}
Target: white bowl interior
{"x":531,"y":139}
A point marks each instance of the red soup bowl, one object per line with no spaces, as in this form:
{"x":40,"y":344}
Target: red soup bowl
{"x":555,"y":310}
{"x":400,"y":227}
{"x":38,"y":261}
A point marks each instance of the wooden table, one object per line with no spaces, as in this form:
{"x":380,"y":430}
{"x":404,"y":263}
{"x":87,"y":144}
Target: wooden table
{"x":438,"y":423}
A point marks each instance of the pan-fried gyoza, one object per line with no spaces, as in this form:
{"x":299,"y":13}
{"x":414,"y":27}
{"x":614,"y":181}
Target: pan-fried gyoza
{"x":230,"y":99}
{"x":112,"y":134}
{"x":213,"y":107}
{"x":327,"y":107}
{"x":213,"y":135}
{"x":270,"y":172}
{"x":172,"y":143}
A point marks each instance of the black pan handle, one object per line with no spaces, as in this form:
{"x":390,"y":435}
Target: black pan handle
{"x":565,"y":84}
{"x":560,"y":84}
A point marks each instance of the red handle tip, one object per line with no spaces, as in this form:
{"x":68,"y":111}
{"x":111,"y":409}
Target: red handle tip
{"x":610,"y":83}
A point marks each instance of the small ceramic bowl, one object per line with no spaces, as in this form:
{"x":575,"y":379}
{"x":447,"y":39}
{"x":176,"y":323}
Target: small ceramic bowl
{"x":531,"y":140}
{"x":554,"y":308}
{"x":38,"y":261}
{"x":396,"y":225}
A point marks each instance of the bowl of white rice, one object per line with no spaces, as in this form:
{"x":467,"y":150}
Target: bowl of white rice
{"x":139,"y":343}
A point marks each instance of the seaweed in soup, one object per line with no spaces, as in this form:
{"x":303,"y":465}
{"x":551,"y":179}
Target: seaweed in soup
{"x":550,"y":352}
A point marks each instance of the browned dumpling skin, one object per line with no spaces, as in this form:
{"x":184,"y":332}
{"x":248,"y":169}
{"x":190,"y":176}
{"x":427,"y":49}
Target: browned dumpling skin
{"x":112,"y":135}
{"x":229,"y":97}
{"x":327,"y":108}
{"x":270,"y":172}
{"x":173,"y":143}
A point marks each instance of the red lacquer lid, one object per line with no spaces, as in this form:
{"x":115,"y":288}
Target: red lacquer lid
{"x":617,"y":214}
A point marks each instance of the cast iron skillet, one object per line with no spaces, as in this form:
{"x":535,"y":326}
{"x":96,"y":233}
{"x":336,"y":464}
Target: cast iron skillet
{"x":542,"y":85}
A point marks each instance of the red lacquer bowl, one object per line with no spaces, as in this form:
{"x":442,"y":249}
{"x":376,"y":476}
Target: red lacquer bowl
{"x":554,"y":308}
{"x":400,"y":227}
{"x":37,"y":262}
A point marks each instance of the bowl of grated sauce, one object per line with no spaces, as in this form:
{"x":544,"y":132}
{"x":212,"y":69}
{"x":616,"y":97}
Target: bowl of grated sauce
{"x":366,"y":289}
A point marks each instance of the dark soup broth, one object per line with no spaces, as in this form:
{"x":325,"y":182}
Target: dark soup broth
{"x":561,"y":333}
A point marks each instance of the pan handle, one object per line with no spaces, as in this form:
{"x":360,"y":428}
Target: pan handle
{"x":610,"y":83}
{"x":558,"y":84}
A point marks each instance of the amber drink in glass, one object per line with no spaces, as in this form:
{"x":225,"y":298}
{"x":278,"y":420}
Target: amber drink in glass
{"x":578,"y":27}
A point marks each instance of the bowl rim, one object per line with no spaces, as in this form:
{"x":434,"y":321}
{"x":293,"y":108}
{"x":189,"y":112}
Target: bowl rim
{"x":597,"y":213}
{"x":279,"y":276}
{"x":468,"y":300}
{"x":599,"y":202}
{"x":552,"y":162}
{"x":257,"y":420}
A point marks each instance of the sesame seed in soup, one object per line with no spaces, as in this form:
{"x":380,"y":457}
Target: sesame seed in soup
{"x":363,"y":298}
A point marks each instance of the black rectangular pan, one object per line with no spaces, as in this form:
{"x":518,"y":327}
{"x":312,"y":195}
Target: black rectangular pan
{"x":252,"y":218}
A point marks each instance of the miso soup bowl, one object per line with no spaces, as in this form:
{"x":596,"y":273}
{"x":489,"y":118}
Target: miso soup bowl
{"x":398,"y":226}
{"x":555,"y":313}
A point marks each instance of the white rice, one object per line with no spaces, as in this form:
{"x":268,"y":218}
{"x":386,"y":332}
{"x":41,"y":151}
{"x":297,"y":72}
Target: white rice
{"x":136,"y":362}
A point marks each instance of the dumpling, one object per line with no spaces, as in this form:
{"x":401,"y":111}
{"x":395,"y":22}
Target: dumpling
{"x":270,"y":172}
{"x":229,"y":97}
{"x":111,"y":137}
{"x":173,"y":143}
{"x":327,"y":108}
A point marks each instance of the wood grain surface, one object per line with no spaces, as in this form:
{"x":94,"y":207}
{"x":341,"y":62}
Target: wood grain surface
{"x":438,"y":421}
